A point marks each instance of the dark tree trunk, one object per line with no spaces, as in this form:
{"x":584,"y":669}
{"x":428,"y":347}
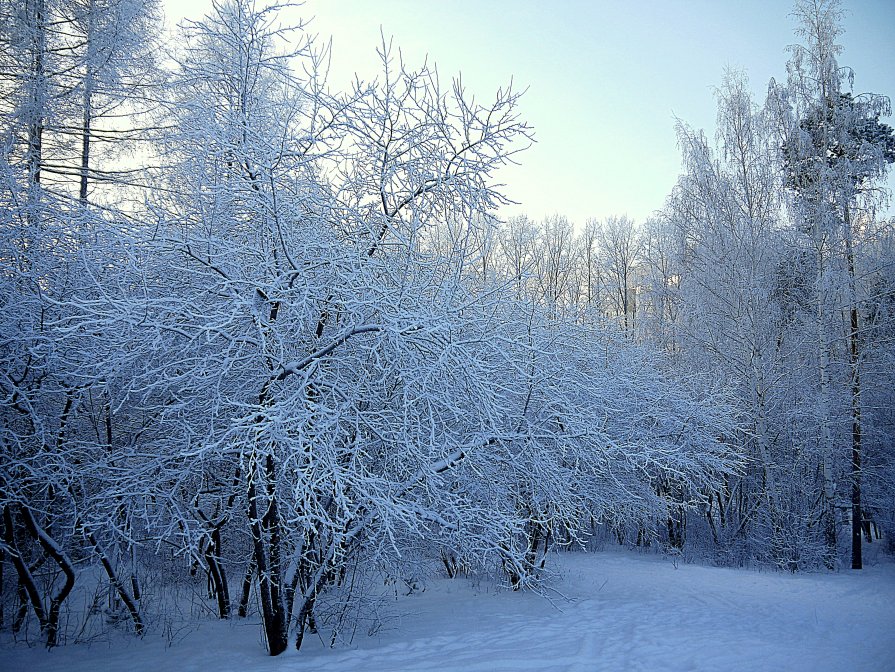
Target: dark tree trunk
{"x":534,"y":542}
{"x":267,"y":562}
{"x":28,"y":592}
{"x":37,"y":14}
{"x":85,"y":148}
{"x":28,"y":589}
{"x":53,"y":550}
{"x":87,"y":118}
{"x":119,"y":587}
{"x":306,"y":613}
{"x":22,"y":610}
{"x":217,"y":574}
{"x":247,"y":587}
{"x":675,"y":525}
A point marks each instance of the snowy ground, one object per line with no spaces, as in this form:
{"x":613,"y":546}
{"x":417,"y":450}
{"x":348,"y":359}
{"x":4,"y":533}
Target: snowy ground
{"x":612,"y":611}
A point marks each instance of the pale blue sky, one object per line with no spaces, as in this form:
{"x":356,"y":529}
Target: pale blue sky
{"x":604,"y":81}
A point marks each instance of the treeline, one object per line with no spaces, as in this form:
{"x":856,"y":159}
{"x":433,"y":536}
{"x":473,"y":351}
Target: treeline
{"x":271,"y":338}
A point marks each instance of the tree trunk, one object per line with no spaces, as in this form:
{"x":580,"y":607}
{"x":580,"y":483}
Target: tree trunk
{"x":265,"y":541}
{"x":117,"y":584}
{"x":247,"y":580}
{"x":53,"y":550}
{"x":87,"y":118}
{"x":37,"y":14}
{"x":857,"y":561}
{"x":217,"y":573}
{"x":28,"y":593}
{"x":48,"y":618}
{"x":85,"y":146}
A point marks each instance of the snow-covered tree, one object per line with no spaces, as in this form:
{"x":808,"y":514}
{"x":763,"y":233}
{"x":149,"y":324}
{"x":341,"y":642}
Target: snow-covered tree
{"x":835,"y":150}
{"x":621,"y":246}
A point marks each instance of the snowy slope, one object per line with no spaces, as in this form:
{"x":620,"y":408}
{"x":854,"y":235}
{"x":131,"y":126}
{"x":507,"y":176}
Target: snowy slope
{"x":610,"y":611}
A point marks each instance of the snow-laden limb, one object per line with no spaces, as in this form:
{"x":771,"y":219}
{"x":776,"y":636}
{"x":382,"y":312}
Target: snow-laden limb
{"x":290,"y":368}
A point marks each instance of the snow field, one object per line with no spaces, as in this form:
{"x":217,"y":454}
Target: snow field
{"x":605,"y":611}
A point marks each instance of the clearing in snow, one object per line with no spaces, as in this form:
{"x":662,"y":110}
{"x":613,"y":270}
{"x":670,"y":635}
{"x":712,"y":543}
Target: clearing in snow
{"x":605,"y":611}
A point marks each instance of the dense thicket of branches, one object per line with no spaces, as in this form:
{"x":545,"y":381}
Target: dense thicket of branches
{"x":770,"y":269}
{"x":272,"y":336}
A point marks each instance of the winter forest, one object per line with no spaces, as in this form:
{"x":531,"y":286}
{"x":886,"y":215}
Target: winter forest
{"x":265,"y":345}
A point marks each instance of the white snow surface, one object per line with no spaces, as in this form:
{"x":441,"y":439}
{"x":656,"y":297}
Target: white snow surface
{"x":605,"y":611}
